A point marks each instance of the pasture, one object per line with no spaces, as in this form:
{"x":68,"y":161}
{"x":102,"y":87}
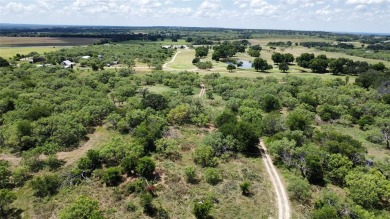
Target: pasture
{"x":45,"y":41}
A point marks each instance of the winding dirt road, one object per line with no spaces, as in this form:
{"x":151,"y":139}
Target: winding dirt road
{"x":281,"y":195}
{"x":173,"y":59}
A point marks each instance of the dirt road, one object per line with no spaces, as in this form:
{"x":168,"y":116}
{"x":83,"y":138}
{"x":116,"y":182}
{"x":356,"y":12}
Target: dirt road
{"x":281,"y":195}
{"x":173,"y":59}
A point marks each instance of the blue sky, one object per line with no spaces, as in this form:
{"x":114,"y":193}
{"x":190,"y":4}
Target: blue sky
{"x":330,"y":15}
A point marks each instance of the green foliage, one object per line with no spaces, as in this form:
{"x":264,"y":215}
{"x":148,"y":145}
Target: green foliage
{"x":129,"y":163}
{"x":145,"y":167}
{"x":112,"y":176}
{"x":190,"y":173}
{"x":366,"y":120}
{"x":7,"y":197}
{"x":283,"y":67}
{"x":319,"y":65}
{"x":299,"y":189}
{"x":325,"y":212}
{"x":202,"y":210}
{"x":146,"y":201}
{"x":304,"y":59}
{"x":212,"y":176}
{"x":5,"y":174}
{"x":83,"y":208}
{"x":328,"y":112}
{"x":245,"y":134}
{"x":338,"y":166}
{"x":204,"y":156}
{"x":260,"y":64}
{"x":201,"y":51}
{"x":370,"y":189}
{"x":136,"y":186}
{"x":230,"y":67}
{"x":154,"y":101}
{"x":179,"y":115}
{"x":246,"y":187}
{"x":225,"y":117}
{"x":131,"y":207}
{"x":204,"y":65}
{"x":47,"y":185}
{"x":272,"y":123}
{"x":299,"y":119}
{"x":253,"y":53}
{"x":270,"y":103}
{"x":3,"y":62}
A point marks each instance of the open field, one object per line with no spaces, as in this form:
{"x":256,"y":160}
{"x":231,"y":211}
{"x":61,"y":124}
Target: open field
{"x":45,"y":41}
{"x":165,"y":42}
{"x":183,"y":61}
{"x":8,"y":52}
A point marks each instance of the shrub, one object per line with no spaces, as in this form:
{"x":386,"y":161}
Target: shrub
{"x":202,"y":210}
{"x":136,"y":186}
{"x":213,"y":176}
{"x":82,"y":208}
{"x":129,"y":163}
{"x":190,"y":173}
{"x":145,"y":167}
{"x":46,"y":185}
{"x":299,"y":189}
{"x":112,"y":176}
{"x":131,"y":206}
{"x":204,"y":156}
{"x":366,"y":121}
{"x":146,"y":201}
{"x":245,"y":187}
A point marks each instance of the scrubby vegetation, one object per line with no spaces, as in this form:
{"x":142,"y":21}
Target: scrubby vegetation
{"x":174,"y":153}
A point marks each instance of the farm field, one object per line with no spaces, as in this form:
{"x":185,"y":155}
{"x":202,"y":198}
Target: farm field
{"x":8,"y":52}
{"x":45,"y":41}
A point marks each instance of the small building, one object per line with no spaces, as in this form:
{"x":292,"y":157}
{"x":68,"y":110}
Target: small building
{"x":67,"y":64}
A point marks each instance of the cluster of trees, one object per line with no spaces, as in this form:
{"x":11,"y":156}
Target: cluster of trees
{"x":254,"y":50}
{"x":282,"y":58}
{"x":280,"y":43}
{"x":337,"y":66}
{"x":260,"y":64}
{"x":326,"y":44}
{"x":228,"y":49}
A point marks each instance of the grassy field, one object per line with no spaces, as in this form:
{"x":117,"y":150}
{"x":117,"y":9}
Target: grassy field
{"x":165,"y":42}
{"x":45,"y":41}
{"x":8,"y":52}
{"x":183,"y":61}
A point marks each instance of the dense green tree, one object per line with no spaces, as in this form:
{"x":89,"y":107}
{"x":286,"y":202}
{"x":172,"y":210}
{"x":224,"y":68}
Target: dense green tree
{"x":246,"y":188}
{"x":299,"y":119}
{"x":225,"y":117}
{"x":338,"y":166}
{"x":304,"y":59}
{"x":261,"y":65}
{"x":277,"y":58}
{"x":5,"y":174}
{"x":154,"y":101}
{"x":369,"y":189}
{"x":318,"y":65}
{"x":231,"y":67}
{"x":201,"y":51}
{"x":129,"y":163}
{"x":283,"y":67}
{"x":299,"y":189}
{"x":270,"y":103}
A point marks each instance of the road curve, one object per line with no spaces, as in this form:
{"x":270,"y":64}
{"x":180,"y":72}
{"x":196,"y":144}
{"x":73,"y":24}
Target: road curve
{"x":173,"y":59}
{"x":281,"y":195}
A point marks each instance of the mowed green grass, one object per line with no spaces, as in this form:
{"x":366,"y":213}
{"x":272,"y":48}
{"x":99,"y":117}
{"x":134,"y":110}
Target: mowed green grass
{"x":9,"y":52}
{"x":183,"y":61}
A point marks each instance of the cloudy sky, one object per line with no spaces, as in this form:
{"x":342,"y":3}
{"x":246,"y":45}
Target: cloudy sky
{"x":326,"y":15}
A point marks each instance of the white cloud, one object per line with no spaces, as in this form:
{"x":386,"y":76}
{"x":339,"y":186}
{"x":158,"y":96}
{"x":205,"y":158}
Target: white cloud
{"x":367,"y":2}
